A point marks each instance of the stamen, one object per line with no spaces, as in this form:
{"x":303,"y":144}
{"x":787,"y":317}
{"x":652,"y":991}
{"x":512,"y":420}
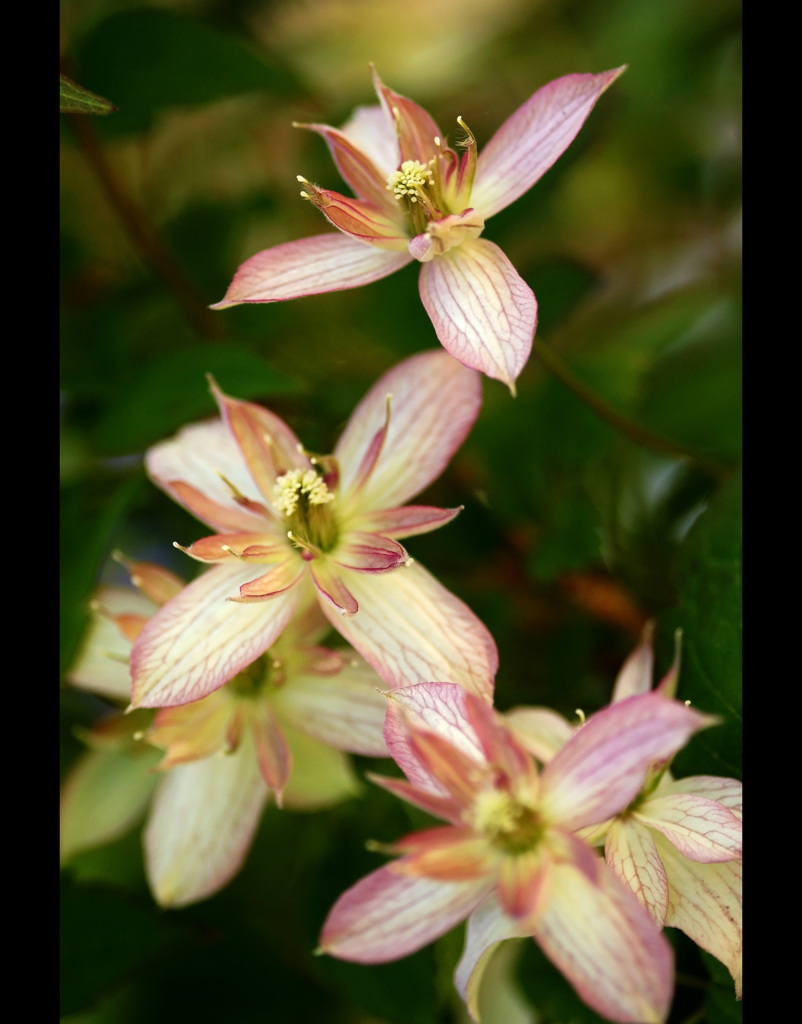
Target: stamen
{"x":290,"y":487}
{"x":581,"y":713}
{"x":410,"y":181}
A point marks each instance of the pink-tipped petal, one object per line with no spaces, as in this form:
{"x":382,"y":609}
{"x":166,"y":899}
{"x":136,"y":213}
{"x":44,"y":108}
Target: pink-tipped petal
{"x":483,"y":312}
{"x":360,"y":218}
{"x":416,"y":129}
{"x":311,"y":266}
{"x":636,"y":672}
{"x":272,"y":753}
{"x":607,"y":946}
{"x":444,"y":807}
{"x":344,"y":710}
{"x":705,"y":902}
{"x":448,"y":853}
{"x":190,"y":468}
{"x":701,"y":829}
{"x":336,"y":596}
{"x":433,"y":405}
{"x":407,"y":521}
{"x":276,"y":582}
{"x":603,"y":766}
{"x":438,"y":708}
{"x":631,"y":853}
{"x":267,"y":445}
{"x":487,"y":926}
{"x":533,"y":138}
{"x":724,"y":791}
{"x":386,"y":916}
{"x":370,"y":552}
{"x":201,"y":825}
{"x":201,"y":639}
{"x":355,"y":164}
{"x":412,"y":630}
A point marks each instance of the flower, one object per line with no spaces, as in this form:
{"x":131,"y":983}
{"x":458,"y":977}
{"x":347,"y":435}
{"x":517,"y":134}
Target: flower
{"x":678,"y":844}
{"x":509,"y":857}
{"x":280,"y":725}
{"x":293,"y":525}
{"x":416,"y":199}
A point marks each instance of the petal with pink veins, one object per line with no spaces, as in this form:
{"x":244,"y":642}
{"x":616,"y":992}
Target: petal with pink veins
{"x":412,"y":630}
{"x":607,"y":946}
{"x":631,"y":853}
{"x":483,"y":312}
{"x":201,"y":639}
{"x":201,"y":823}
{"x":354,"y":162}
{"x":310,"y":266}
{"x":724,"y":791}
{"x":701,"y":829}
{"x":336,"y":597}
{"x":406,"y":521}
{"x":277,"y":581}
{"x":344,"y":710}
{"x":369,"y":552}
{"x":188,"y":467}
{"x":416,"y":128}
{"x":705,"y":902}
{"x":437,"y":708}
{"x":272,"y":753}
{"x":386,"y":916}
{"x":533,"y":138}
{"x":603,"y":766}
{"x":434,"y":402}
{"x":372,"y":132}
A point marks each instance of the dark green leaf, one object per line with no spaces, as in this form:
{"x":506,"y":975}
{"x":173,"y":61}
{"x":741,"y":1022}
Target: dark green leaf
{"x":74,"y":99}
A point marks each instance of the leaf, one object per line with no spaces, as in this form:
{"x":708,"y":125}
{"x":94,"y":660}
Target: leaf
{"x":150,"y":60}
{"x":709,"y":615}
{"x":74,"y":99}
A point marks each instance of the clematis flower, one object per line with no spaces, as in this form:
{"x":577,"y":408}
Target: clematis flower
{"x":678,"y":844}
{"x":279,"y":726}
{"x":293,"y":526}
{"x":416,"y":199}
{"x":510,"y":860}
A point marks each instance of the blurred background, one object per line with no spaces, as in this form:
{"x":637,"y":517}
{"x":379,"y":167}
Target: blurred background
{"x":572,"y":536}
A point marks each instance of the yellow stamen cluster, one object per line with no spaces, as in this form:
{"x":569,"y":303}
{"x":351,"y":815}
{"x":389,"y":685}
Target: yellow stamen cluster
{"x":410,"y":180}
{"x":297,"y":483}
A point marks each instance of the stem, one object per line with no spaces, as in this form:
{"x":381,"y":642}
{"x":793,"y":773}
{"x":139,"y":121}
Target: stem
{"x":629,"y":428}
{"x":145,"y":238}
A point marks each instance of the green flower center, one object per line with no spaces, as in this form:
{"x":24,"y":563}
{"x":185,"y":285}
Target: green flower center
{"x":303,"y":499}
{"x":506,"y":823}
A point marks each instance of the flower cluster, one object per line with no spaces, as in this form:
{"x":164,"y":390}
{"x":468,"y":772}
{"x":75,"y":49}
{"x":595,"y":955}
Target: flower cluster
{"x":235,"y":698}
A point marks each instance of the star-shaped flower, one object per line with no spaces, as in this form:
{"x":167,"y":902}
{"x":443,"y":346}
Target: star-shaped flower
{"x":417,"y":199}
{"x":293,"y":526}
{"x":510,"y":860}
{"x":280,"y":726}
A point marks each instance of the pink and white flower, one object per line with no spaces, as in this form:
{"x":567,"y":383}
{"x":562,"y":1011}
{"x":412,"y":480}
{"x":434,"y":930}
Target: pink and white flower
{"x":510,"y":860}
{"x":280,"y":726}
{"x":416,"y":199}
{"x":678,"y":844}
{"x":292,"y":527}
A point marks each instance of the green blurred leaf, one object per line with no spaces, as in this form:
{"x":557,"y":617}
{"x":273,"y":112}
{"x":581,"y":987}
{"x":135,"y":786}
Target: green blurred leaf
{"x":74,"y":99}
{"x":151,"y":59}
{"x":171,"y":391}
{"x":710,"y":616}
{"x":721,"y":1006}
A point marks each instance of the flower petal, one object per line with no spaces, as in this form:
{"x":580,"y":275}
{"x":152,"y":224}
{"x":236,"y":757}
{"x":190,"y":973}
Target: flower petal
{"x":360,"y":218}
{"x":355,"y":163}
{"x":201,"y":825}
{"x":311,"y":266}
{"x":448,"y":853}
{"x":386,"y":915}
{"x":406,"y":521}
{"x":416,"y":128}
{"x":438,"y":708}
{"x":540,"y":730}
{"x":483,"y":312}
{"x":335,"y":597}
{"x":344,"y":710}
{"x":372,"y":132}
{"x":190,"y":467}
{"x":272,"y":752}
{"x":603,"y":766}
{"x":320,"y":777}
{"x":701,"y":829}
{"x":632,"y":855}
{"x":532,"y":139}
{"x":724,"y":791}
{"x":636,"y":672}
{"x":607,"y":946}
{"x":370,"y":552}
{"x":201,"y":639}
{"x":705,"y":903}
{"x":411,"y":630}
{"x":487,"y":926}
{"x":433,"y":405}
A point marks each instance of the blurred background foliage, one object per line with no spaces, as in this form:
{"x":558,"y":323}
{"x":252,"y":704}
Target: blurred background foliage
{"x":572,"y":536}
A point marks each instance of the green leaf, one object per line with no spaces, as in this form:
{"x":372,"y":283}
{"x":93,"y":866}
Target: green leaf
{"x":150,"y":60}
{"x":709,"y":615}
{"x":74,"y":99}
